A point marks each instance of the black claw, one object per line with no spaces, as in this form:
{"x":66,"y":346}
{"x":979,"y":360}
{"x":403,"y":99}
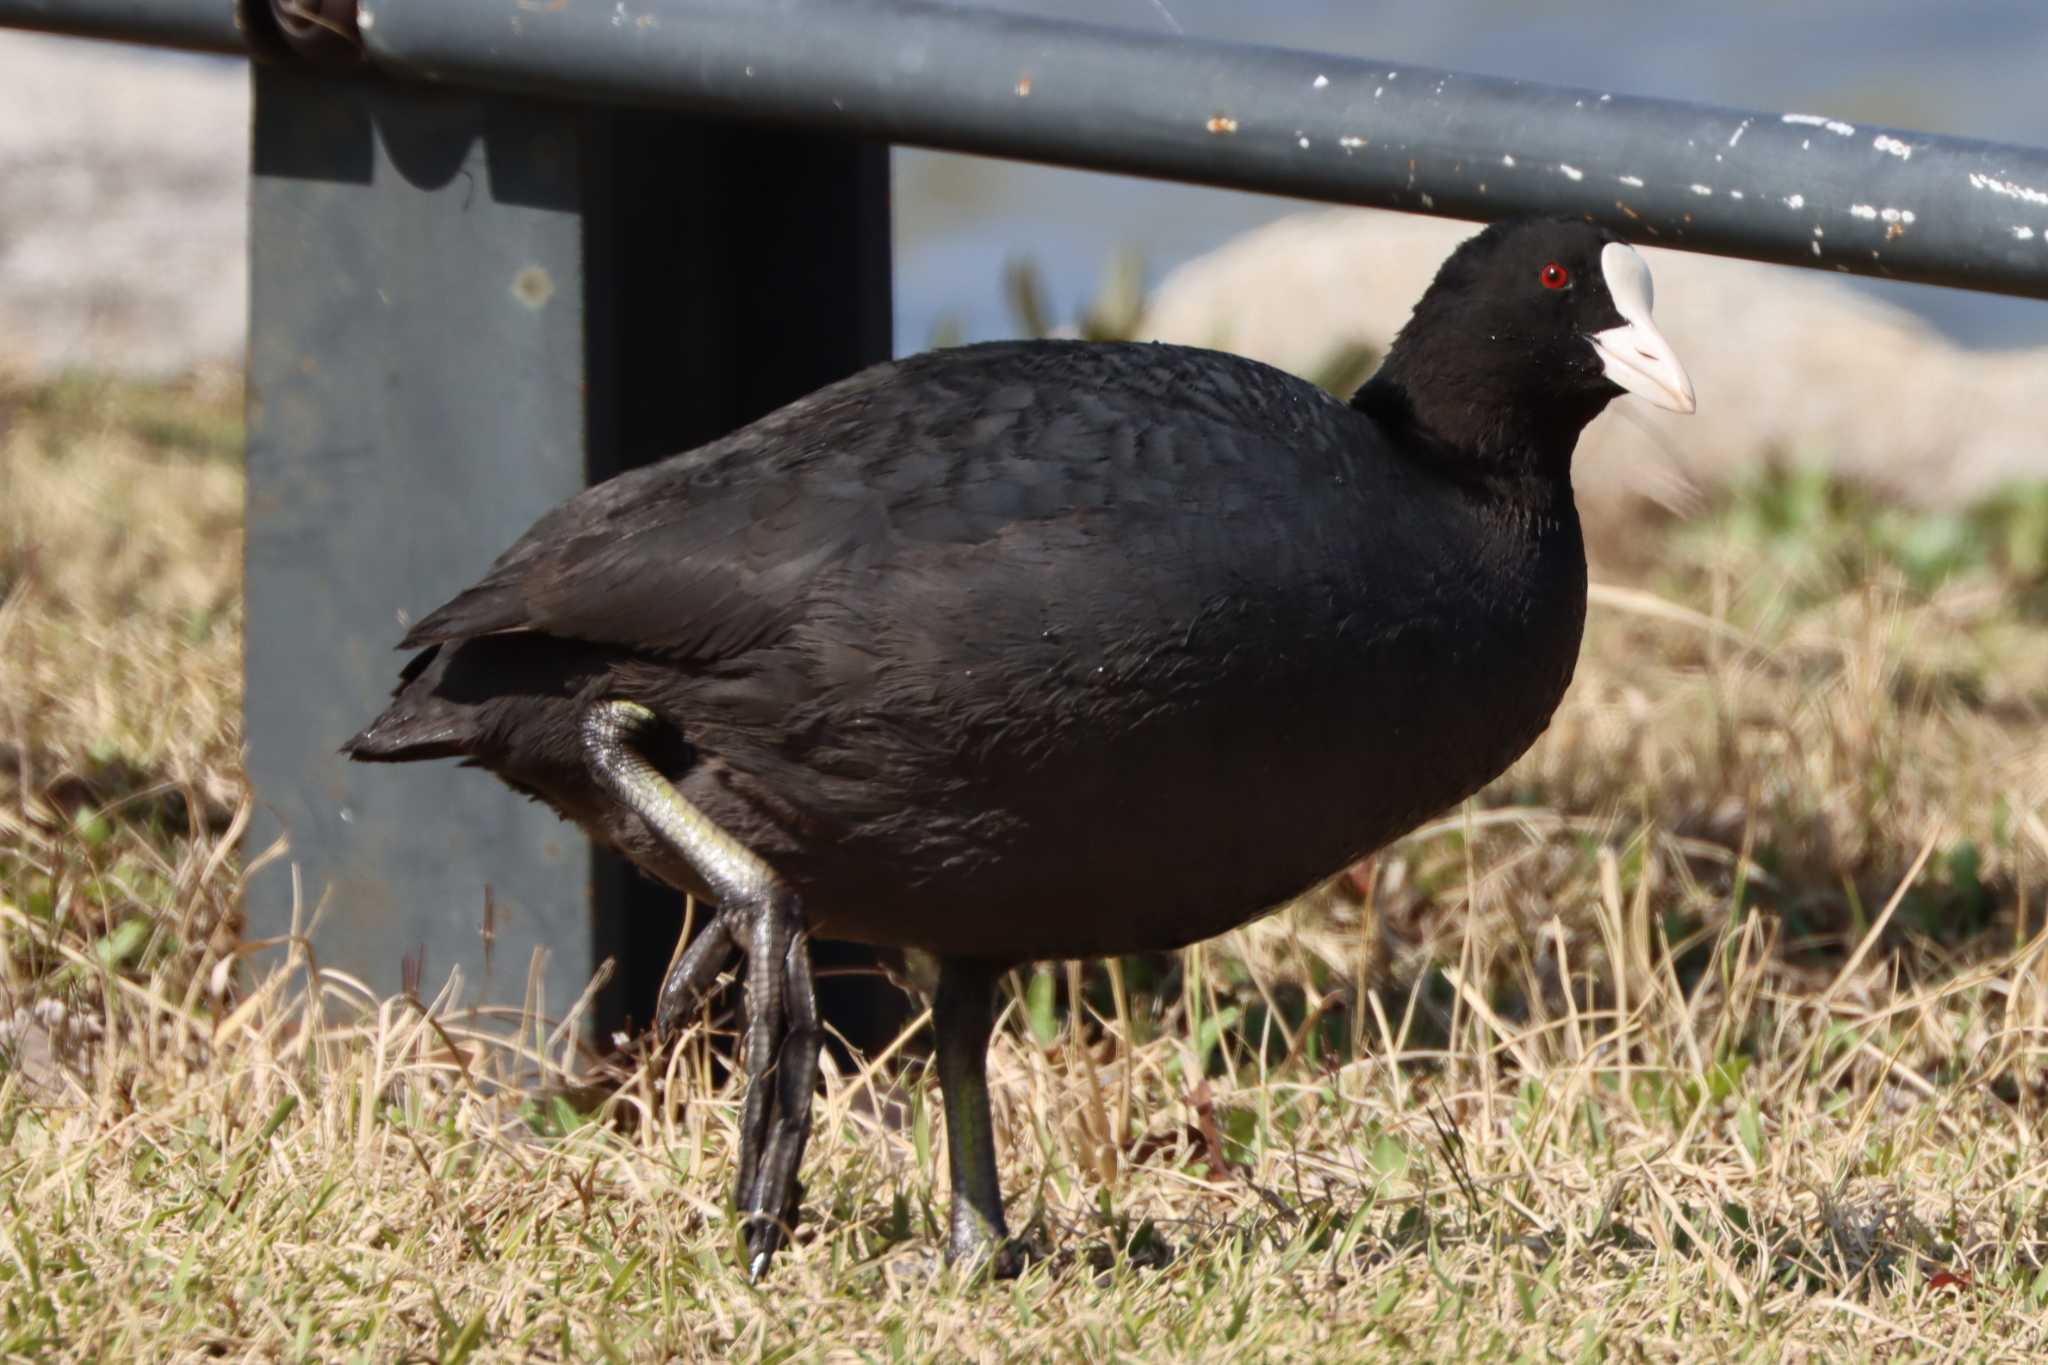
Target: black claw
{"x":772,"y":1200}
{"x":691,"y":977}
{"x":767,"y":1234}
{"x":783,"y":1041}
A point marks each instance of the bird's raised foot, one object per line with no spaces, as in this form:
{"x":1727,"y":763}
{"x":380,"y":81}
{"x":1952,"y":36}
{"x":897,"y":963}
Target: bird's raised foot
{"x":761,"y":917}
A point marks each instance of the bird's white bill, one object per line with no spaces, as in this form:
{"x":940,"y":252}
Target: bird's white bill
{"x":1635,"y":355}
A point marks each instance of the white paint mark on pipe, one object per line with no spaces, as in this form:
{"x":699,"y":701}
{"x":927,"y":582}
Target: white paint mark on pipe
{"x":1573,"y":172}
{"x":1863,"y":210}
{"x":1697,"y":188}
{"x":1899,"y":149}
{"x":1507,"y":160}
{"x":1835,"y":126}
{"x":1634,"y":182}
{"x":2010,"y":189}
{"x":1740,"y":129}
{"x":2023,"y":232}
{"x":1320,"y":82}
{"x":1795,"y":201}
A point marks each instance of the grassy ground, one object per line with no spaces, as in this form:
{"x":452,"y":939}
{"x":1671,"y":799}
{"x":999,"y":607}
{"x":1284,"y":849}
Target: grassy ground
{"x":1717,"y":1029}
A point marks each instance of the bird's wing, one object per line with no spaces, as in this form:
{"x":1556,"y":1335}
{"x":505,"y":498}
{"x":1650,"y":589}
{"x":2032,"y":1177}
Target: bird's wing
{"x":710,"y":553}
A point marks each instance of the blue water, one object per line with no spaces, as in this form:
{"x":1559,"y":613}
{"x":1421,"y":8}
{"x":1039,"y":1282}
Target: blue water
{"x":1972,"y":69}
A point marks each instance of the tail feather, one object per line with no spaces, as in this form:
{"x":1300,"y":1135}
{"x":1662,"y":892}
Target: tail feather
{"x":399,"y":736}
{"x":417,"y":725}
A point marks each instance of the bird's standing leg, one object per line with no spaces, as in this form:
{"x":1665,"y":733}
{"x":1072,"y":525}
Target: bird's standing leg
{"x":759,"y":912}
{"x":962,"y":1017}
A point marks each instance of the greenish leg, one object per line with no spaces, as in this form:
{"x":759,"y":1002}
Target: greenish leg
{"x":759,"y":914}
{"x":962,"y":1018}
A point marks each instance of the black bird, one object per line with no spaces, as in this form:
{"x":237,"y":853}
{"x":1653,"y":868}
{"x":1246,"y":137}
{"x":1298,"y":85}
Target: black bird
{"x":1047,"y":649}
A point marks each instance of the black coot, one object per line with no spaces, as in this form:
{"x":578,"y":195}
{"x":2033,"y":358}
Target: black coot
{"x":1048,"y":650}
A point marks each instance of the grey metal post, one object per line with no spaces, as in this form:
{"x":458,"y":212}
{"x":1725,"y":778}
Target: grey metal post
{"x":463,"y":308}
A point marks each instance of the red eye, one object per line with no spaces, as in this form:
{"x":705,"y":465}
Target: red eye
{"x":1555,"y":276}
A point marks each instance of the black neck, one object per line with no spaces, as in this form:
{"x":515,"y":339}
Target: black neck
{"x":1428,"y":404}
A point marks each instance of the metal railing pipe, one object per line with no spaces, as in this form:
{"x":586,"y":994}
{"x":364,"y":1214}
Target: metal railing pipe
{"x":1793,"y":188}
{"x":200,"y":25}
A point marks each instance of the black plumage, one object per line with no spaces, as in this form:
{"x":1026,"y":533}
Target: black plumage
{"x":1059,"y":649}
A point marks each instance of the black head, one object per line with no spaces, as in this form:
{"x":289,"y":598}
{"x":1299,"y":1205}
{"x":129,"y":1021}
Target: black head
{"x":1527,"y":332}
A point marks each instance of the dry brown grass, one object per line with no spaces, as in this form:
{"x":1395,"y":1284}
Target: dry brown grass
{"x":1715,"y":1030}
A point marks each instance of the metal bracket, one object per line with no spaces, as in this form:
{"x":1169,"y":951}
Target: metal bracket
{"x":319,"y":29}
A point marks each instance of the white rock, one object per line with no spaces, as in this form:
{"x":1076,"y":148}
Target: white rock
{"x":123,"y":228}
